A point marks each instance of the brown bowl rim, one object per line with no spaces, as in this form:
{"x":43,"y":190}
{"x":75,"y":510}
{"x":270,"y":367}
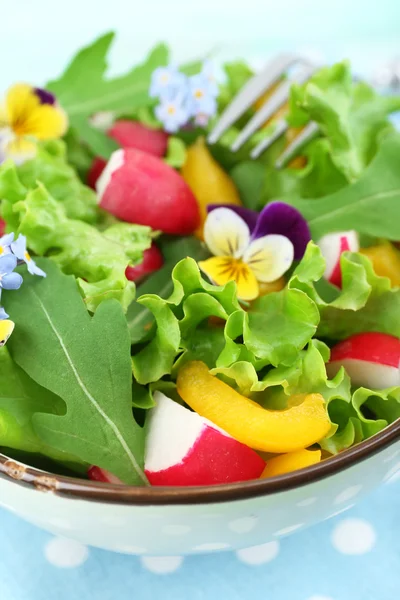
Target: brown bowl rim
{"x":130,"y":495}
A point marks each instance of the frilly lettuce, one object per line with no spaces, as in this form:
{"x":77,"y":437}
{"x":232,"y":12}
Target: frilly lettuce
{"x":98,"y":259}
{"x":51,"y":168}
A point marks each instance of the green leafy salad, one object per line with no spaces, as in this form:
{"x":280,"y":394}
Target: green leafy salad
{"x":173,"y":313}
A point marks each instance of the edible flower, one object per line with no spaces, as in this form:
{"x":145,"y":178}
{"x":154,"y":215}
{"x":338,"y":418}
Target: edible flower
{"x":203,"y":93}
{"x":173,"y":113}
{"x":251,"y":248}
{"x":6,"y":327}
{"x":167,"y":82}
{"x":5,"y":243}
{"x":19,"y":249}
{"x":27,"y":116}
{"x":8,"y":279}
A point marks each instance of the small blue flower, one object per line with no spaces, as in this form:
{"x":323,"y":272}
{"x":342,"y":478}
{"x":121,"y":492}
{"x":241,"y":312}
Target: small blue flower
{"x":8,"y":279}
{"x":20,"y":251}
{"x":208,"y":72}
{"x":173,"y":113}
{"x":3,"y":314}
{"x":201,"y":97}
{"x":167,"y":82}
{"x":5,"y":243}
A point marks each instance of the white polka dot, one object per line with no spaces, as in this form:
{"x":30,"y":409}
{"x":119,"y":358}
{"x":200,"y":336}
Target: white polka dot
{"x":393,"y":474}
{"x":353,"y":536}
{"x":392,"y":456}
{"x":259,"y":555}
{"x":65,"y":553}
{"x":176,"y":529}
{"x":348,"y":494}
{"x":307,"y":502}
{"x":243,"y":525}
{"x":211,"y":546}
{"x":291,"y":529}
{"x":161,"y":564}
{"x":320,"y":598}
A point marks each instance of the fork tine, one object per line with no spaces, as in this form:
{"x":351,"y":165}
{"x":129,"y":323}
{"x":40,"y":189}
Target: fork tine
{"x":309,"y":132}
{"x":276,"y":100}
{"x":279,"y":130}
{"x":253,"y":89}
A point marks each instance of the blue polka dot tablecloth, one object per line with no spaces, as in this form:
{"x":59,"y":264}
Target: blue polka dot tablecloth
{"x":355,"y":556}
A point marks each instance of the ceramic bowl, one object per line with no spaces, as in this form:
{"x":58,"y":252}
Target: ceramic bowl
{"x":178,"y":521}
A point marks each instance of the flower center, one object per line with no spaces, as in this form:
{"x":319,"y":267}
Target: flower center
{"x":165,"y":78}
{"x":199,"y":93}
{"x":1,"y":250}
{"x":27,"y":256}
{"x":171,"y":110}
{"x":234,"y":268}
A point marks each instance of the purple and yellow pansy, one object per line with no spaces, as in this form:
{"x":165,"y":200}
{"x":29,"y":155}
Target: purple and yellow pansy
{"x":252,"y":248}
{"x":28,"y":115}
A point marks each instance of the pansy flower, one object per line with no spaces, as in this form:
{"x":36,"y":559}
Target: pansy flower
{"x":167,"y":82}
{"x":252,"y":248}
{"x":8,"y":279}
{"x":28,"y":115}
{"x":19,"y":249}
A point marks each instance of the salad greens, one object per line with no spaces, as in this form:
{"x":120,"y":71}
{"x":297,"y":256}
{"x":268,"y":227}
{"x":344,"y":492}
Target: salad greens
{"x":89,"y":349}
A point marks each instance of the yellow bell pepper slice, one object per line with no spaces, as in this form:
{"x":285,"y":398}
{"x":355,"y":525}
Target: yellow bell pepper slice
{"x":292,"y":461}
{"x":207,"y":180}
{"x":385,"y":260}
{"x":297,"y":427}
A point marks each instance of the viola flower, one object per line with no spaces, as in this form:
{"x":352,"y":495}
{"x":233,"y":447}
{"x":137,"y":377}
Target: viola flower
{"x":6,"y":329}
{"x":28,"y":115}
{"x":251,"y":248}
{"x":167,"y":82}
{"x":5,"y":243}
{"x":8,"y":279}
{"x":172,"y":113}
{"x":19,"y":249}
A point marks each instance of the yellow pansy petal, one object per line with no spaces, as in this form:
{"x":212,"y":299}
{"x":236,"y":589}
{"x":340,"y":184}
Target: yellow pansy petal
{"x":20,"y":150}
{"x":225,"y":233}
{"x":20,"y":102}
{"x":46,"y":122}
{"x":6,"y":329}
{"x":269,"y":257}
{"x":222,"y":269}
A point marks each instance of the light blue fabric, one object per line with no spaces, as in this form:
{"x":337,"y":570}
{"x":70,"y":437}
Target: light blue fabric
{"x":312,"y":565}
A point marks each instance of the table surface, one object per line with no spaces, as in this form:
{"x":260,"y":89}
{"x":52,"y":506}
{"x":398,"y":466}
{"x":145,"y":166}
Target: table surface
{"x":355,"y":556}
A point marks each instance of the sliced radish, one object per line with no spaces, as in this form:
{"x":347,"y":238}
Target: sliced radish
{"x":97,"y":474}
{"x":332,"y":246}
{"x":140,"y":188}
{"x":152,"y":261}
{"x":2,"y":226}
{"x":371,"y":360}
{"x":97,"y":167}
{"x":184,"y":449}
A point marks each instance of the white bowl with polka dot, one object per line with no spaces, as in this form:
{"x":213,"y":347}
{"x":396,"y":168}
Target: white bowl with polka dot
{"x":171,"y":522}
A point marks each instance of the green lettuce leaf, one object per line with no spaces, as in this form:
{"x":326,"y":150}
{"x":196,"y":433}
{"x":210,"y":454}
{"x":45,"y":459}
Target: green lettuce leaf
{"x":86,"y":362}
{"x":366,"y":301}
{"x":84,"y":89}
{"x":176,"y":152}
{"x":51,"y":168}
{"x":97,"y":259}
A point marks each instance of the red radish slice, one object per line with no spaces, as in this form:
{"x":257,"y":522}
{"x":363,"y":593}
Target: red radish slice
{"x":152,"y":261}
{"x":132,"y":134}
{"x":97,"y":474}
{"x":97,"y":167}
{"x":184,"y":449}
{"x":139,"y":188}
{"x":332,"y":246}
{"x":371,"y":359}
{"x":2,"y":226}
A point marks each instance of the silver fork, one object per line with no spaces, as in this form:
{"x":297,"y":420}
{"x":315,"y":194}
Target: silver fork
{"x":252,"y":91}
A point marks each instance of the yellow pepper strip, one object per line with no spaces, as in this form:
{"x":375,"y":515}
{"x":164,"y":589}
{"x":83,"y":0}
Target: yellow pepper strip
{"x":207,"y":180}
{"x":269,"y":431}
{"x":285,"y":463}
{"x":385,"y":260}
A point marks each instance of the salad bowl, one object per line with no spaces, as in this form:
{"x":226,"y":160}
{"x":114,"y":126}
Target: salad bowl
{"x":176,"y":521}
{"x":198,"y":351}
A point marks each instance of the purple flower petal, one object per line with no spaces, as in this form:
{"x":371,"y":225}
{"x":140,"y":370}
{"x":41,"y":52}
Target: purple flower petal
{"x":45,"y":97}
{"x":248,"y":215}
{"x":281,"y":218}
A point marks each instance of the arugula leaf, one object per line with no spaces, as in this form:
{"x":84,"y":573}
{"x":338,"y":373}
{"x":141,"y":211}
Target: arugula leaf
{"x":97,"y":258}
{"x":370,"y":206}
{"x":83,"y":89}
{"x":366,"y":301}
{"x":85,"y":361}
{"x":50,"y":167}
{"x":140,"y":319}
